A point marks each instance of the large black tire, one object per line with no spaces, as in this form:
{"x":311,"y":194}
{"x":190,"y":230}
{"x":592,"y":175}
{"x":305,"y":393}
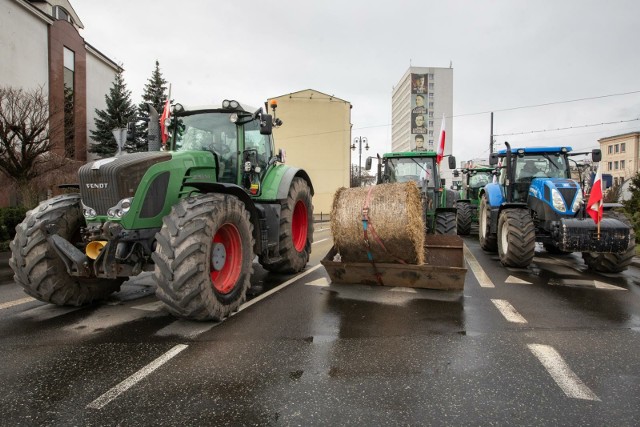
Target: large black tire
{"x":488,"y":241}
{"x":445,"y":223}
{"x":38,"y":268}
{"x":204,"y":257}
{"x":612,"y":263}
{"x":463,"y":218}
{"x":516,"y":238}
{"x":296,"y":230}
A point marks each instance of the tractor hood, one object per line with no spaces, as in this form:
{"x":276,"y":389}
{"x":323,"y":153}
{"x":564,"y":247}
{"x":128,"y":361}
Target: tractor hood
{"x":563,"y":196}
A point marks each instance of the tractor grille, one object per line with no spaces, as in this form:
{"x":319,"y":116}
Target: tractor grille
{"x":568,"y":194}
{"x":104,"y":183}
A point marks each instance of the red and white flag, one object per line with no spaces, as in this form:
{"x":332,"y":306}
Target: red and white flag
{"x":440,"y":152}
{"x":594,"y":205}
{"x":164,"y":119}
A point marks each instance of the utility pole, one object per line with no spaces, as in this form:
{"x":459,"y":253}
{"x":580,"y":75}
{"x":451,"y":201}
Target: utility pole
{"x":491,"y":136}
{"x":359,"y":140}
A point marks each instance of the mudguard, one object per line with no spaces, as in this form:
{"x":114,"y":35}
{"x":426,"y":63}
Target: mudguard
{"x":494,"y":194}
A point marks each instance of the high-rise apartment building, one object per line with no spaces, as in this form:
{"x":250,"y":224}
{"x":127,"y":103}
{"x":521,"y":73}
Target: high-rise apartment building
{"x":419,"y":101}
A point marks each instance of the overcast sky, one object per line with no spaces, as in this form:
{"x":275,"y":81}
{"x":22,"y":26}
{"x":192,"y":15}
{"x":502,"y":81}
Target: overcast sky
{"x":505,"y":54}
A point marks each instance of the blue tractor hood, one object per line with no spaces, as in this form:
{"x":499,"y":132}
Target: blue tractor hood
{"x":560,"y":196}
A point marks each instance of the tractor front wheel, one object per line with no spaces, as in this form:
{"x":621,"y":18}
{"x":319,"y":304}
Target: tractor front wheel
{"x":38,"y":268}
{"x":296,"y":230}
{"x":516,"y":238}
{"x":488,"y":241}
{"x":463,"y":218}
{"x":445,"y":223}
{"x":204,"y":257}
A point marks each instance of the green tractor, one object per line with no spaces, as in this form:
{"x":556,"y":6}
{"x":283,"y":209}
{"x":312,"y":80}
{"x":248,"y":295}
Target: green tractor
{"x":474,"y":179}
{"x":195,"y":213}
{"x":421,"y":167}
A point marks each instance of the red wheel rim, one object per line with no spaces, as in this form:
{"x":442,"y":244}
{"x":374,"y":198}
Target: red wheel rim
{"x":225,"y":279}
{"x":299,"y":226}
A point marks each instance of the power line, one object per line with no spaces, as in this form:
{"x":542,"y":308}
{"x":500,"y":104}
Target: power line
{"x":566,"y":128}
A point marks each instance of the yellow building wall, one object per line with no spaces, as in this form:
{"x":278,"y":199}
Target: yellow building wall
{"x":316,"y":135}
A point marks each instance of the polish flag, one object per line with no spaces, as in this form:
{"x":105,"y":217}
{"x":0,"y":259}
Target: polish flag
{"x":164,"y":119}
{"x":594,"y":205}
{"x":440,"y":152}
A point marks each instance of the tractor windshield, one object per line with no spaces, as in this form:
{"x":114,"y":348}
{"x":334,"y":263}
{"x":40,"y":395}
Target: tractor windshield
{"x":205,"y":131}
{"x":418,"y":169}
{"x":480,"y":179}
{"x":541,"y":165}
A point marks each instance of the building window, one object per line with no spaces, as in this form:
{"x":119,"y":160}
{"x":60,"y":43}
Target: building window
{"x":69,"y":101}
{"x":430,"y":123}
{"x":61,"y":14}
{"x":430,"y":133}
{"x":430,"y":94}
{"x":431,"y":143}
{"x":621,"y":164}
{"x":430,"y":104}
{"x":615,"y":164}
{"x":431,"y":86}
{"x":623,"y":146}
{"x":610,"y":166}
{"x":430,"y":76}
{"x":431,"y":114}
{"x":617,"y":148}
{"x":610,"y":148}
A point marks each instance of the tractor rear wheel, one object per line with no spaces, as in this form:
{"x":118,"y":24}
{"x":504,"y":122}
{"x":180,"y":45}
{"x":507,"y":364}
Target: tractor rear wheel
{"x":445,"y":223}
{"x":204,"y":257}
{"x":296,"y":230}
{"x":516,"y":238}
{"x":488,"y":241}
{"x":38,"y":268}
{"x":610,"y":262}
{"x":463,"y":218}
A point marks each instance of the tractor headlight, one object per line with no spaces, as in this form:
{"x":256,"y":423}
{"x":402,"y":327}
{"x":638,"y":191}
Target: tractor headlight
{"x":88,"y":212}
{"x":558,"y":201}
{"x":577,"y":202}
{"x":121,"y":209}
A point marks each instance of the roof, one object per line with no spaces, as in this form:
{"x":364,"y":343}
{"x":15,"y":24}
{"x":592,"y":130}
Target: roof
{"x":308,"y":94}
{"x":622,"y":135}
{"x":407,"y":154}
{"x":503,"y":152}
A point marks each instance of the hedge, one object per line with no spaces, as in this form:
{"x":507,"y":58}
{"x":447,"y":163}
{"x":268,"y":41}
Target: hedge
{"x":9,"y":218}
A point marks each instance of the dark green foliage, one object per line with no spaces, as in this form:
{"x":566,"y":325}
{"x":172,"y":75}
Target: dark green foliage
{"x":632,"y":206}
{"x":155,"y":93}
{"x":120,"y":110}
{"x":9,"y":218}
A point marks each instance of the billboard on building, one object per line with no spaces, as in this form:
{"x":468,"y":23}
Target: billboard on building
{"x":419,"y":112}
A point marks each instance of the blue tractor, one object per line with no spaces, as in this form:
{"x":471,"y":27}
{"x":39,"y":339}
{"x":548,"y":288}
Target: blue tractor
{"x":535,"y":200}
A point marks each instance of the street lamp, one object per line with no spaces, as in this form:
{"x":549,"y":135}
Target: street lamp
{"x":359,"y":140}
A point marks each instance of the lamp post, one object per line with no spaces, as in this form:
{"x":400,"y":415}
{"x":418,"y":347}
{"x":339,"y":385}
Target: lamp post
{"x":359,"y":140}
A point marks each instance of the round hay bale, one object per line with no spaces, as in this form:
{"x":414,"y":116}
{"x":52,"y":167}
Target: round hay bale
{"x":396,"y":215}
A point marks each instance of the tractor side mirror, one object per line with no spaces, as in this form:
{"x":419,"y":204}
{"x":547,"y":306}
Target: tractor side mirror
{"x":367,"y":164}
{"x":493,"y":159}
{"x":282,"y":155}
{"x":452,"y":162}
{"x":266,"y":124}
{"x":596,"y":155}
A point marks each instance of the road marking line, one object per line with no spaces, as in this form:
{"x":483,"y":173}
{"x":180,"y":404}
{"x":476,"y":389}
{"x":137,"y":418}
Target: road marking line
{"x":322,"y":282}
{"x":16,"y":302}
{"x":566,"y":379}
{"x":125,"y":385}
{"x":513,"y":279}
{"x":276,"y":289}
{"x":321,"y":240}
{"x":152,"y":306}
{"x":508,"y":311}
{"x":481,"y":276}
{"x":186,"y":328}
{"x":603,"y":285}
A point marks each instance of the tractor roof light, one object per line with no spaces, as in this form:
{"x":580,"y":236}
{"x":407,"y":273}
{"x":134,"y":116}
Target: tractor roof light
{"x":178,"y":108}
{"x":520,"y":151}
{"x":230,"y":104}
{"x":564,"y":150}
{"x":233,"y":118}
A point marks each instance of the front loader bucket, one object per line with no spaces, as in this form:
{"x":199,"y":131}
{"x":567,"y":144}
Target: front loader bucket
{"x":444,"y":268}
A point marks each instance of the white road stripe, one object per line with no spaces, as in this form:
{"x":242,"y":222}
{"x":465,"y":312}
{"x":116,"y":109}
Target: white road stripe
{"x":513,"y":279}
{"x":322,"y":282}
{"x":276,"y":289}
{"x":508,"y":311}
{"x":186,"y":328}
{"x":481,"y":276}
{"x":321,"y":240}
{"x":16,"y":302}
{"x":603,"y":285}
{"x":103,"y":400}
{"x":566,"y":379}
{"x":152,"y":306}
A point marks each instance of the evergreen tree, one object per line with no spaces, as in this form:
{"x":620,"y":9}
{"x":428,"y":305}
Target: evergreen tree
{"x":632,"y":206}
{"x":120,"y":110}
{"x":154,"y":94}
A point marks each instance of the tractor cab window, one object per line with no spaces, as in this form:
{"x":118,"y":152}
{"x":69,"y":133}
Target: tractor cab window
{"x":420,"y":170}
{"x":209,"y":132}
{"x":262,"y":144}
{"x":479,"y":179}
{"x":543,"y":165}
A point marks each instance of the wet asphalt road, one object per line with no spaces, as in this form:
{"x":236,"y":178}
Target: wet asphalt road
{"x":551,"y":344}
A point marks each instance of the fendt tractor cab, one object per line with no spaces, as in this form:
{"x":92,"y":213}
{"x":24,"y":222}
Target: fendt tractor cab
{"x":195,"y":213}
{"x":473,"y":181}
{"x":535,"y":200}
{"x":421,"y":167}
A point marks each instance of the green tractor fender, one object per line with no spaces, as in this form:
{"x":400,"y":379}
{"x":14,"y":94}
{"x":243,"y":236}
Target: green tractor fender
{"x":276,"y":184}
